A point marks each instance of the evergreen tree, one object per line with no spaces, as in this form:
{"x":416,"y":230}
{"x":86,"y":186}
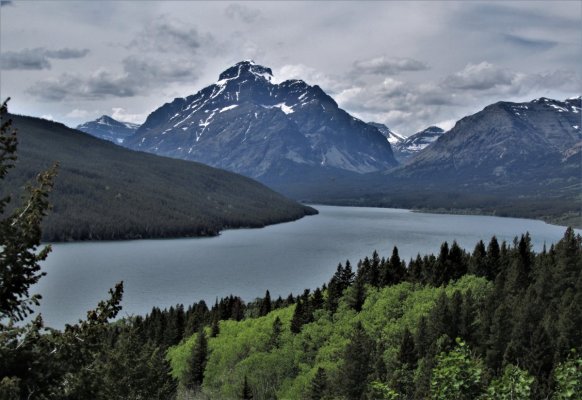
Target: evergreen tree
{"x":478,"y":263}
{"x":493,"y":258}
{"x":317,"y":301}
{"x":356,"y":366}
{"x":403,"y":378}
{"x":319,"y":385}
{"x":265,"y":304}
{"x":246,"y":393}
{"x":20,"y":233}
{"x":197,"y":361}
{"x":214,"y":329}
{"x":298,"y":317}
{"x":357,"y":295}
{"x":275,"y":339}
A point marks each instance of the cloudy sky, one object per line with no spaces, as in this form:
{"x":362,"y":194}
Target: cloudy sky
{"x":406,"y":64}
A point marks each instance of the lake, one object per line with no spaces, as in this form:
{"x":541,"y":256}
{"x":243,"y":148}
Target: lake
{"x":282,"y":258}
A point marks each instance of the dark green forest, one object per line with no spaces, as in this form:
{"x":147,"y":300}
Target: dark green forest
{"x":497,"y":322}
{"x":105,"y":192}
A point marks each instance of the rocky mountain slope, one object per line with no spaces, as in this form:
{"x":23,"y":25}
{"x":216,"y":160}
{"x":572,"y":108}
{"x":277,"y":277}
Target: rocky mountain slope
{"x":280,"y":134}
{"x":109,"y":129}
{"x":506,"y":143}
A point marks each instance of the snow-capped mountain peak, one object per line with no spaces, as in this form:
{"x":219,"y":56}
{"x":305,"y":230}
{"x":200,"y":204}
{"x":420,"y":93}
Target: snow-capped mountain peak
{"x":392,"y":137}
{"x":417,"y":142}
{"x":245,"y":69}
{"x":108,"y":128}
{"x":247,"y":123}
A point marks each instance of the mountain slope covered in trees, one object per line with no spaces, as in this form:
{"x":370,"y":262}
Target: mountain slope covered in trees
{"x":103,"y":191}
{"x":500,"y":321}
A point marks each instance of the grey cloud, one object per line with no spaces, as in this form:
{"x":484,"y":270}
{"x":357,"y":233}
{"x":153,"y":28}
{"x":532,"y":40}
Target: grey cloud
{"x":66,"y":53}
{"x":24,"y":60}
{"x":139,"y":76}
{"x":500,"y":17}
{"x":38,"y":58}
{"x":242,"y":12}
{"x":482,"y":76}
{"x":169,"y":35}
{"x":5,"y":3}
{"x":532,"y":44}
{"x":98,"y":86}
{"x":388,"y":66}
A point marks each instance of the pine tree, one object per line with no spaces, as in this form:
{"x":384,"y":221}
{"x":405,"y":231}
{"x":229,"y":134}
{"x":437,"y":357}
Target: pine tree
{"x":246,"y":393}
{"x":319,"y":385}
{"x":317,"y":301}
{"x":357,"y":295}
{"x":298,"y":316}
{"x":275,"y":339}
{"x":403,"y":377}
{"x":197,"y":361}
{"x":265,"y":305}
{"x":214,"y":329}
{"x":478,"y":263}
{"x":356,"y":366}
{"x":493,"y":259}
{"x":20,"y":233}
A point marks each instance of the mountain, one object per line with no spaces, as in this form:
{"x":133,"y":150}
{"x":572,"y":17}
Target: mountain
{"x":104,"y":191}
{"x":108,"y":128}
{"x":505,"y":144}
{"x":405,"y":149}
{"x":509,"y":159}
{"x":393,"y":137}
{"x":281,"y":134}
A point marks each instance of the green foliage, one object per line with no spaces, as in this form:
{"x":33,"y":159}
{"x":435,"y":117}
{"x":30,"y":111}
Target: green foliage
{"x":514,"y":384}
{"x":379,"y":390}
{"x":457,"y":375}
{"x":568,"y":380}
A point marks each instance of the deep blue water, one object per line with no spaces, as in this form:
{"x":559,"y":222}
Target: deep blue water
{"x":283,"y":258}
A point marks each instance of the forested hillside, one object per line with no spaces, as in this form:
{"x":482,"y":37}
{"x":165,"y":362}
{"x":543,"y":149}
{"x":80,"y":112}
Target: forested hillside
{"x":103,"y":191}
{"x":500,"y":322}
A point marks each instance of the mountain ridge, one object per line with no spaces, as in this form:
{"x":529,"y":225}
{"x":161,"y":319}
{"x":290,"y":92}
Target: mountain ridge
{"x":106,"y":192}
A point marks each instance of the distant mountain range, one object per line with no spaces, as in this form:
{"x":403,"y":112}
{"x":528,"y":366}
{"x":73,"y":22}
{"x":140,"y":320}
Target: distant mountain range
{"x":109,"y":129}
{"x":505,"y":144}
{"x":293,"y":137}
{"x":103,"y":191}
{"x":280,"y":134}
{"x":509,"y":159}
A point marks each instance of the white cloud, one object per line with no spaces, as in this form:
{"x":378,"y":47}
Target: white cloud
{"x":121,"y":114}
{"x":480,"y":76}
{"x":81,"y":114}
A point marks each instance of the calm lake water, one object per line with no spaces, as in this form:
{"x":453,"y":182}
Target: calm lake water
{"x":283,"y":258}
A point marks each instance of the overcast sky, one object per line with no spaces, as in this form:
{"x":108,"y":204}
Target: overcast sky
{"x":406,"y":64}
